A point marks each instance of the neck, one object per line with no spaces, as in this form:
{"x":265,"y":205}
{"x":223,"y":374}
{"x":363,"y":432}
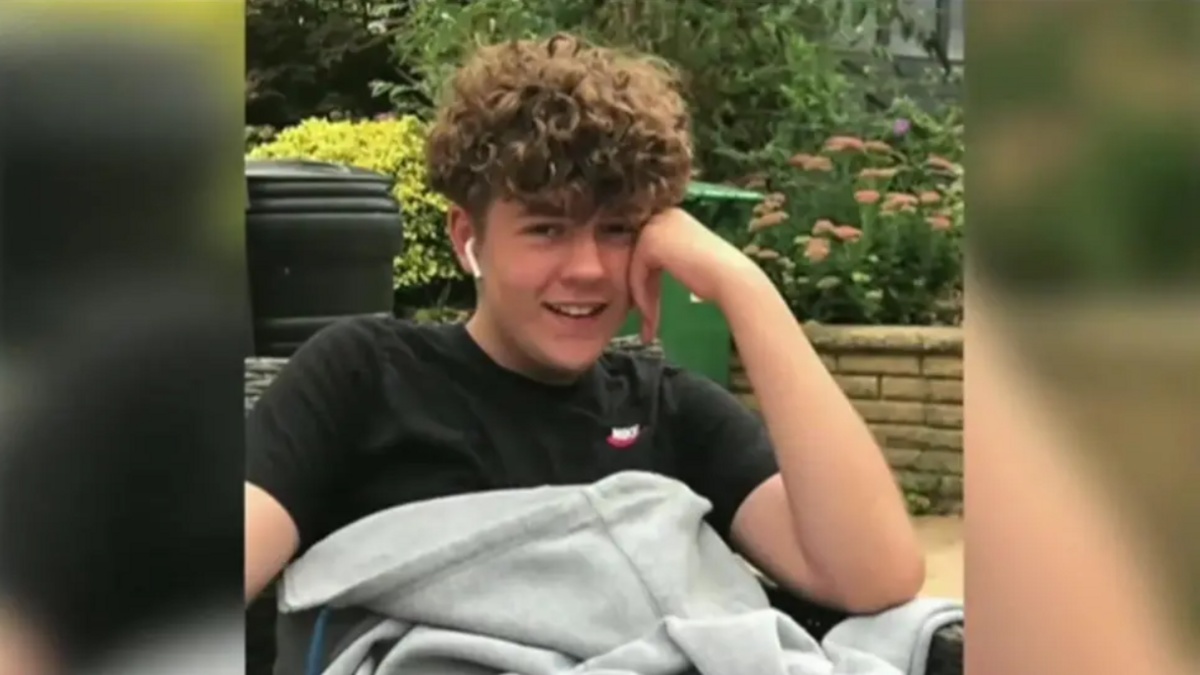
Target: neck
{"x":491,"y":339}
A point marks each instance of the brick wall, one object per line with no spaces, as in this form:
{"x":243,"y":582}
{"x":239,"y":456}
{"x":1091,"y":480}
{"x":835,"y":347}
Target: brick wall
{"x":907,"y":383}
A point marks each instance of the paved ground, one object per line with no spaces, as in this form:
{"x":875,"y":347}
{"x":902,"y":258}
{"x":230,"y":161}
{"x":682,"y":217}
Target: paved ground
{"x":942,"y":538}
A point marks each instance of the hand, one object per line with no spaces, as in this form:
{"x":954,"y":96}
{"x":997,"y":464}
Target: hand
{"x":696,"y":256}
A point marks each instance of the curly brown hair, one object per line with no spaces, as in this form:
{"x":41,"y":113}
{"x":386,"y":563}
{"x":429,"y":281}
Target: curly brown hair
{"x":561,"y":124}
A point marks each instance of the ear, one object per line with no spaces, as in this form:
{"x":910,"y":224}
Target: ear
{"x":461,"y":228}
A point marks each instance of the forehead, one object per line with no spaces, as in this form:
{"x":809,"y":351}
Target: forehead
{"x":554,"y":210}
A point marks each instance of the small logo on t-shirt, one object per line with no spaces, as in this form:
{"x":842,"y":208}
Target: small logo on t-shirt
{"x":623,"y":437}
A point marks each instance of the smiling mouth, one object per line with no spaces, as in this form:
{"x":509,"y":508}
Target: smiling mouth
{"x":576,"y":311}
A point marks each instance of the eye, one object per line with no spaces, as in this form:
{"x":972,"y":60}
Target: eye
{"x":618,"y":232}
{"x":545,"y":230}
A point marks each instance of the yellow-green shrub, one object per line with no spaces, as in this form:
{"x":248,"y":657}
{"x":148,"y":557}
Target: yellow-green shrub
{"x":394,"y":147}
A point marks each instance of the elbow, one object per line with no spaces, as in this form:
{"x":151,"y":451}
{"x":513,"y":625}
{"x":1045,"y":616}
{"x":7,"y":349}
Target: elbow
{"x":898,"y":584}
{"x":904,"y":584}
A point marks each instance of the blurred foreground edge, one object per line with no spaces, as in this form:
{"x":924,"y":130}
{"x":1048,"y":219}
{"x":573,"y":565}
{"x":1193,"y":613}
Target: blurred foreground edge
{"x":122,"y":324}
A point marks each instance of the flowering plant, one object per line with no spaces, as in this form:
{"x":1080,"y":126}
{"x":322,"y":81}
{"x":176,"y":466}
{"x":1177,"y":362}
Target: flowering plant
{"x":863,"y":232}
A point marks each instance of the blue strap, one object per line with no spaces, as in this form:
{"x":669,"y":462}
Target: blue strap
{"x":315,"y":662}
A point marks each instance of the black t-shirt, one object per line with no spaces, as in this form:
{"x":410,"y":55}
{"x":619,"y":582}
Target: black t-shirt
{"x":372,"y":414}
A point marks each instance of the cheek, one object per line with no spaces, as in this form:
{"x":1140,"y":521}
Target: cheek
{"x":526,"y":273}
{"x":616,"y":266}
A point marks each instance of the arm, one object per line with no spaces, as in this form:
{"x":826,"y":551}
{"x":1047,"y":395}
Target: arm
{"x":730,"y":459}
{"x":271,"y":539}
{"x":833,"y":522}
{"x":296,"y":437}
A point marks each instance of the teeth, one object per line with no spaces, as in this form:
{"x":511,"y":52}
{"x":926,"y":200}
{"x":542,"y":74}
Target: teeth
{"x":577,"y":310}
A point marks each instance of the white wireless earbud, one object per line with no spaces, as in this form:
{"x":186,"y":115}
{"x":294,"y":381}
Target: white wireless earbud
{"x":471,"y":261}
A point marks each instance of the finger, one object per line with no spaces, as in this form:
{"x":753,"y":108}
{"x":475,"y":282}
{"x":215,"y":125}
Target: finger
{"x":637,"y":289}
{"x":639,"y":276}
{"x":652,"y":315}
{"x":650,"y":306}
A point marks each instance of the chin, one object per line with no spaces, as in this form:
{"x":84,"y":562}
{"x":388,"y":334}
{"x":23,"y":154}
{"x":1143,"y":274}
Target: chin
{"x":576,"y":362}
{"x":572,"y":359}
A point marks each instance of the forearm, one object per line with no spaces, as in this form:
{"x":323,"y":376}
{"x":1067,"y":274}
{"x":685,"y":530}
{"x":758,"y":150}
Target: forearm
{"x":848,"y":514}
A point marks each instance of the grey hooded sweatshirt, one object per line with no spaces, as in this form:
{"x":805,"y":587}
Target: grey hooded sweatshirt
{"x":620,"y":577}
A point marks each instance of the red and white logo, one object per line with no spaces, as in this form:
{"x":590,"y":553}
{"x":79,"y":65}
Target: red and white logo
{"x":623,"y":437}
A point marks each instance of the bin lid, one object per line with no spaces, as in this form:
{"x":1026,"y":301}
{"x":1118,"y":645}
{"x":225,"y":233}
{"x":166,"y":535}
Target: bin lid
{"x":308,"y":170}
{"x":698,"y":191}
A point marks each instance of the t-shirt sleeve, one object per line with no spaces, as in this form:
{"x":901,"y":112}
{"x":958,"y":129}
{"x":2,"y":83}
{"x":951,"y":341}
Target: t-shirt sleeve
{"x":722,"y":446}
{"x":310,"y":419}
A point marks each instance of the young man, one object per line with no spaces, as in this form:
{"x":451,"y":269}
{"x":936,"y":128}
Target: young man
{"x":565,"y":164}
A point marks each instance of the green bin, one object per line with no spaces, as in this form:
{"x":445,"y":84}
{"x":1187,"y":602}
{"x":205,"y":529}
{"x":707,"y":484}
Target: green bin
{"x":694,"y":333}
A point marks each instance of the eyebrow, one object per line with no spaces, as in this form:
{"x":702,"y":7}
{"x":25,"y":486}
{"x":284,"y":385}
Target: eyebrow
{"x":544,"y":211}
{"x":558,"y":213}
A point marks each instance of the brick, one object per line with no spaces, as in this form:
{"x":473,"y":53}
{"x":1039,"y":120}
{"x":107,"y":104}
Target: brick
{"x":902,"y":436}
{"x":902,"y":458}
{"x":897,"y":436}
{"x":914,"y":339}
{"x":904,"y":388}
{"x":864,"y":338}
{"x":888,"y":364}
{"x":944,"y":416}
{"x":748,"y":400}
{"x":920,"y":389}
{"x":942,"y":340}
{"x":940,"y":462}
{"x":891,"y":411}
{"x":942,"y":366}
{"x":946,"y":391}
{"x":858,"y":386}
{"x":922,"y":483}
{"x":943,"y":439}
{"x":951,"y":487}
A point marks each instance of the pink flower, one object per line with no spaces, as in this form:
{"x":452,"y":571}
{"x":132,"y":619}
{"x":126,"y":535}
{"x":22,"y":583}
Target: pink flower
{"x":767,"y":220}
{"x":845,"y":143}
{"x":866,"y":196}
{"x":939,"y":162}
{"x":869,"y":173}
{"x":902,"y":199}
{"x":811,"y":162}
{"x":824,"y":226}
{"x":817,"y":249}
{"x":847,"y":233}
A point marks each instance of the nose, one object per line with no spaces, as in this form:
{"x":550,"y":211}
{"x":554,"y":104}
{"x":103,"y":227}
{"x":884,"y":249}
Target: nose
{"x":583,"y":261}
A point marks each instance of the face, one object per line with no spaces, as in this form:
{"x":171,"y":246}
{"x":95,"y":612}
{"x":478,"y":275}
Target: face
{"x":554,"y":291}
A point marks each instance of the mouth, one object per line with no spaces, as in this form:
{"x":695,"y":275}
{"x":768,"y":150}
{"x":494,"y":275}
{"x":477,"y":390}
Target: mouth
{"x":578,"y":310}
